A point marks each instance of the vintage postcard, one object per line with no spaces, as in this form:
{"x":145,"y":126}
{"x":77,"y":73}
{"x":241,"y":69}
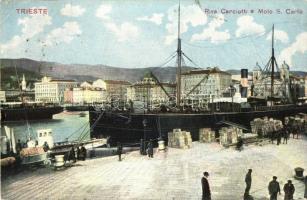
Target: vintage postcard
{"x":153,"y":99}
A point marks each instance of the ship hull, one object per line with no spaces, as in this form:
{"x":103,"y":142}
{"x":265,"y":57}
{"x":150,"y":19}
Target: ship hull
{"x":129,"y":128}
{"x":29,"y":113}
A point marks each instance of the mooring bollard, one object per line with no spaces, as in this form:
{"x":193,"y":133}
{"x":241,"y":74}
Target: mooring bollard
{"x":299,"y":173}
{"x":59,"y":161}
{"x":161,"y":146}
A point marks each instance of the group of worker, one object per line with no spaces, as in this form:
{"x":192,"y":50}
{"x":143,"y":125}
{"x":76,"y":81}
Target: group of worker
{"x":284,"y":132}
{"x":273,"y":188}
{"x":81,"y":154}
{"x":145,"y":149}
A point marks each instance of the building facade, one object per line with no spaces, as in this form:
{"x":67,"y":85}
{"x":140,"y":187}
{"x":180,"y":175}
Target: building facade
{"x":114,"y":89}
{"x":52,"y":90}
{"x":150,"y":92}
{"x":207,"y":84}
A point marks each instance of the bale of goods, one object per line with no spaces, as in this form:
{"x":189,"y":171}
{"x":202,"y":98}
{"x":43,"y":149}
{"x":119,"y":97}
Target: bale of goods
{"x":263,"y":127}
{"x":206,"y":135}
{"x":229,"y":135}
{"x":31,"y":151}
{"x":7,"y":161}
{"x":179,"y":139}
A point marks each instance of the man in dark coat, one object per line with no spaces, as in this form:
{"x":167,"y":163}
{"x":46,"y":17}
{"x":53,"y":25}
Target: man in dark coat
{"x":150,"y":149}
{"x":286,"y":133}
{"x":248,"y":181}
{"x":305,"y":193}
{"x":82,"y":151}
{"x":289,"y":190}
{"x":72,"y":155}
{"x":205,"y":187}
{"x":274,"y":188}
{"x":119,"y":151}
{"x":278,"y":136}
{"x":46,"y":146}
{"x":18,"y":147}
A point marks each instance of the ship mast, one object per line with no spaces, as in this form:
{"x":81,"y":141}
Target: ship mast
{"x":272,"y":64}
{"x":179,"y":57}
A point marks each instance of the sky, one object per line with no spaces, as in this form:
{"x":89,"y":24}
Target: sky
{"x":134,"y":33}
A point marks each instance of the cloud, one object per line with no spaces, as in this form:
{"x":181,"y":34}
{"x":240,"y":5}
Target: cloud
{"x":65,"y":34}
{"x":211,"y":33}
{"x":155,"y":18}
{"x":72,"y":11}
{"x":299,"y":46}
{"x":247,"y":26}
{"x":278,"y":35}
{"x":31,"y":26}
{"x":103,"y":12}
{"x":191,"y":15}
{"x":124,"y":32}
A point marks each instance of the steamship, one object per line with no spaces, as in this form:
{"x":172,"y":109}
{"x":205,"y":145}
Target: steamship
{"x":128,"y":126}
{"x":19,"y":111}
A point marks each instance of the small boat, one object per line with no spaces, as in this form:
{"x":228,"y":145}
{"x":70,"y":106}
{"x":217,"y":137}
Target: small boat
{"x":36,"y":150}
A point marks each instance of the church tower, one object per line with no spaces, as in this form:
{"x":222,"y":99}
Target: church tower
{"x":23,"y":83}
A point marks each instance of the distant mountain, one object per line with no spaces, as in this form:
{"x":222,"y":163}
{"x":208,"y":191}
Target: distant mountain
{"x":82,"y":72}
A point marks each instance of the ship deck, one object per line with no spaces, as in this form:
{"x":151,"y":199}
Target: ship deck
{"x":172,"y":175}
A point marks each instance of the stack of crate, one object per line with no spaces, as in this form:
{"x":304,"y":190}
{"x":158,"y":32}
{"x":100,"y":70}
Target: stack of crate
{"x":206,"y":135}
{"x":179,"y":139}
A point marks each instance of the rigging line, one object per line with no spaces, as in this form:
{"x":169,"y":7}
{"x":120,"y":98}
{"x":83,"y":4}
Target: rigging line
{"x":253,"y":44}
{"x":78,"y":129}
{"x":189,"y":59}
{"x":82,"y":132}
{"x":232,"y":39}
{"x":167,"y":60}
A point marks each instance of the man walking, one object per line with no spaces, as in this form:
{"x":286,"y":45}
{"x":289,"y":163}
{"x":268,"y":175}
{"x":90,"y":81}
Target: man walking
{"x":205,"y":187}
{"x":150,"y":149}
{"x":286,"y":133}
{"x":119,"y":151}
{"x":248,"y":181}
{"x":289,"y":190}
{"x":274,"y":188}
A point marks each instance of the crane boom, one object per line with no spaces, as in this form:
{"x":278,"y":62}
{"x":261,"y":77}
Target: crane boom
{"x":160,"y":84}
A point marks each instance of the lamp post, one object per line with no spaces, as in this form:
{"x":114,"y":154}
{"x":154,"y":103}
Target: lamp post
{"x":231,"y":93}
{"x":143,"y":146}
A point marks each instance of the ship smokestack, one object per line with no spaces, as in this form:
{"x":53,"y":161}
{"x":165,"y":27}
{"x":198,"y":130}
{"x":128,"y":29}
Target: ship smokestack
{"x":244,"y":83}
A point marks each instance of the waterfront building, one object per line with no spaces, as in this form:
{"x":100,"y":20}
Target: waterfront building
{"x":86,"y":84}
{"x":68,"y":95}
{"x":212,"y":82}
{"x":262,"y":82}
{"x":114,"y":89}
{"x":52,"y":90}
{"x":149,"y":91}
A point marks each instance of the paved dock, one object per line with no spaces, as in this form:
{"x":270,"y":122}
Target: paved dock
{"x":175,"y":174}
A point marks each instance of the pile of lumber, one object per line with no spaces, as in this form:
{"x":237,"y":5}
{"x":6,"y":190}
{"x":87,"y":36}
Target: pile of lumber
{"x":206,"y":135}
{"x":179,"y":139}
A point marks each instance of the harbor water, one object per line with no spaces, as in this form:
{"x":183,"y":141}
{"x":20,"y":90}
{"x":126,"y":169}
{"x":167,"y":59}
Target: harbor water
{"x":65,"y":126}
